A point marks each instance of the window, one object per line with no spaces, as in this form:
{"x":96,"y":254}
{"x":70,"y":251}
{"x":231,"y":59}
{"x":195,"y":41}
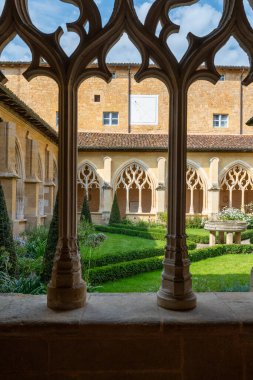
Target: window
{"x":96,"y":98}
{"x":222,"y":78}
{"x":111,"y":118}
{"x":220,"y":121}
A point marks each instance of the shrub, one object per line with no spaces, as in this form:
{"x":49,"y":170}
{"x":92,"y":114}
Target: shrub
{"x":35,"y":240}
{"x":85,"y":213}
{"x":230,"y":213}
{"x":24,"y":285}
{"x":195,"y":222}
{"x":115,"y":213}
{"x":51,"y":244}
{"x":162,"y":217}
{"x":6,"y":238}
{"x":84,"y":230}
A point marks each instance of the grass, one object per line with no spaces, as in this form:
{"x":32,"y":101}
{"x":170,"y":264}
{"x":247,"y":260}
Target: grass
{"x":121,"y":243}
{"x":220,"y":274}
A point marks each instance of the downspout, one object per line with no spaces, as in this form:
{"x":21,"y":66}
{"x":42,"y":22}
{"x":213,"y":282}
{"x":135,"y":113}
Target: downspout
{"x":129,"y":98}
{"x":241,"y":103}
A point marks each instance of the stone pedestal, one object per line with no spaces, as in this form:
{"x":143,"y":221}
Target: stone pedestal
{"x":212,"y":238}
{"x":229,"y":239}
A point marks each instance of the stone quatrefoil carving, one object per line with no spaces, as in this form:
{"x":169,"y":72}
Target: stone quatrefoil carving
{"x":67,"y":289}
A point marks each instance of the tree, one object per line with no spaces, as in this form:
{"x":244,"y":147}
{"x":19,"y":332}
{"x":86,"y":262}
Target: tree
{"x":52,"y":239}
{"x":85,"y":214}
{"x":115,"y":213}
{"x":6,"y":237}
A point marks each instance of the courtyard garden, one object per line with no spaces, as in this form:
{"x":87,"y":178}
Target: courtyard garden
{"x":121,"y":257}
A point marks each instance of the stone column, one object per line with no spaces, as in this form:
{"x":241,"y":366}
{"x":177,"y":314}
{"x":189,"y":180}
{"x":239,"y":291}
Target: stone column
{"x":214,"y":190}
{"x":67,"y":289}
{"x":212,"y":238}
{"x":161,"y":184}
{"x":176,"y":292}
{"x":31,"y":193}
{"x":229,"y":239}
{"x":49,"y":188}
{"x":107,"y":190}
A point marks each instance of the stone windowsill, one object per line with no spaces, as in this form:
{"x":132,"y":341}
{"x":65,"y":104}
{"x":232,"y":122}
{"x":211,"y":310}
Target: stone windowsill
{"x":18,"y":310}
{"x":127,"y":337}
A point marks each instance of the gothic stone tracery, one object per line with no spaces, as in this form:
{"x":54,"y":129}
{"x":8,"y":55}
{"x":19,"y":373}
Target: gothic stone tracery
{"x":67,"y":289}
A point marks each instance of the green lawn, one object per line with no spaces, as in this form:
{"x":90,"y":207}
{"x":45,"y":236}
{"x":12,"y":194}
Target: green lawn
{"x":225,"y":273}
{"x":121,"y":243}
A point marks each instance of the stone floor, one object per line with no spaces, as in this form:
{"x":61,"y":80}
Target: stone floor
{"x":127,"y":336}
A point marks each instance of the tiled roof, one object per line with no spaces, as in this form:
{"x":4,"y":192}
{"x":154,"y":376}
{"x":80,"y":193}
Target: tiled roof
{"x":9,"y":99}
{"x":159,"y":142}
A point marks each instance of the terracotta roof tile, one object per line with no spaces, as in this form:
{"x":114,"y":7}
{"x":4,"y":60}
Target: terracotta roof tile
{"x":159,"y":142}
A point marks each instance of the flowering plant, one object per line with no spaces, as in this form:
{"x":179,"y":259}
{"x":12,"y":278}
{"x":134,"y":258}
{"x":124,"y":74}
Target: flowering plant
{"x":231,"y":213}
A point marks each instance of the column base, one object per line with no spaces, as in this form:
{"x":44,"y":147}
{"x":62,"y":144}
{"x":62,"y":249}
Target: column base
{"x":168,"y":301}
{"x":66,"y":298}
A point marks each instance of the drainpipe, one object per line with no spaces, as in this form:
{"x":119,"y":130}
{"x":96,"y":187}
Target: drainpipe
{"x":129,"y":99}
{"x":241,"y":103}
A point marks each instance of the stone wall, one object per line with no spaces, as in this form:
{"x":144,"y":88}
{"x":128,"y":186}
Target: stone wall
{"x":127,"y":337}
{"x":205,"y":99}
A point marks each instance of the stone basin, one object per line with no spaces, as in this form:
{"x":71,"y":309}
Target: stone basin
{"x":228,"y":226}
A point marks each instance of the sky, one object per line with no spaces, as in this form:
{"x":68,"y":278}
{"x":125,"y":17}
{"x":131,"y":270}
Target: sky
{"x":203,"y":17}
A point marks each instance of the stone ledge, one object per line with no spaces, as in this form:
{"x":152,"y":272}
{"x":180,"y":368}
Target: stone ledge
{"x":127,"y":336}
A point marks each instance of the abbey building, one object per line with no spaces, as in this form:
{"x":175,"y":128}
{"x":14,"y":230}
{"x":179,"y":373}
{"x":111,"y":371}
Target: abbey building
{"x":123,"y":144}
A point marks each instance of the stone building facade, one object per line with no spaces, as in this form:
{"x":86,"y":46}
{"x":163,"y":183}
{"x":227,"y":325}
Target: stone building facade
{"x":123,"y":142}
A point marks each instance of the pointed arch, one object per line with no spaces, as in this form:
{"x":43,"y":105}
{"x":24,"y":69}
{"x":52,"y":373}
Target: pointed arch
{"x":90,"y":183}
{"x":135,"y":187}
{"x":236,"y":183}
{"x":196,"y":189}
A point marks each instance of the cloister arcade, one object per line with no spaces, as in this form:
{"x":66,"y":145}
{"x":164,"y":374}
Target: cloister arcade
{"x":141,"y":189}
{"x":236,"y":185}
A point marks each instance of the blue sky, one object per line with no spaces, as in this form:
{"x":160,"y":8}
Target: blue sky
{"x":203,"y":17}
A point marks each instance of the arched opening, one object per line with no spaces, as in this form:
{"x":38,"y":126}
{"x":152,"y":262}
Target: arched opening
{"x":134,"y":190}
{"x":20,"y":205}
{"x":88,"y":183}
{"x":236,"y":186}
{"x":195,"y":191}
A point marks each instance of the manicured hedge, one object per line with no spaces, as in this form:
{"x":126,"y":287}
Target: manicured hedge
{"x":219,"y":250}
{"x":130,"y":268}
{"x":132,"y":232}
{"x":151,"y":234}
{"x":136,"y":254}
{"x":126,"y":269}
{"x":248,"y":234}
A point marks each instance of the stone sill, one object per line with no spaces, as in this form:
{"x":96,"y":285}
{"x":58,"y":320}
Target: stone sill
{"x":18,"y":311}
{"x":127,"y":337}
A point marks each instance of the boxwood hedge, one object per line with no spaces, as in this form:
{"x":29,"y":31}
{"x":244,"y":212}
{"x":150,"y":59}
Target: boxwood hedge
{"x":111,"y":272}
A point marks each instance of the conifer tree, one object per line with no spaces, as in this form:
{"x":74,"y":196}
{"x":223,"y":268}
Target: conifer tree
{"x":115,"y":213}
{"x":51,"y":245}
{"x":85,"y":214}
{"x":6,"y":237}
